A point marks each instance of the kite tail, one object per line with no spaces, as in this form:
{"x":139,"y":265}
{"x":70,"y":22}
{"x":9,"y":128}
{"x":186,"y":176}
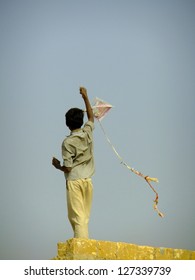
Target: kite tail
{"x":146,"y":178}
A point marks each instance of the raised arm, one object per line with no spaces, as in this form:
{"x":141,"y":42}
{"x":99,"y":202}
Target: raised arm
{"x":89,"y":110}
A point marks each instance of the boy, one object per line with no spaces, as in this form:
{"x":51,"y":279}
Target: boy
{"x":78,"y":166}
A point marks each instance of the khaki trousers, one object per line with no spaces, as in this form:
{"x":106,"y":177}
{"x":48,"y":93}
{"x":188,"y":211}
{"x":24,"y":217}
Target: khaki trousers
{"x":79,"y":200}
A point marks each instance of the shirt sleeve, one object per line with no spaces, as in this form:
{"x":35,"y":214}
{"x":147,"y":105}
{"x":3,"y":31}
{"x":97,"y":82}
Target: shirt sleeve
{"x":68,"y":152}
{"x":89,"y":126}
{"x":88,"y":129}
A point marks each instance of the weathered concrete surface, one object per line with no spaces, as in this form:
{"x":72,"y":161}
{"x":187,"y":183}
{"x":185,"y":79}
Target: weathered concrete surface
{"x":89,"y":249}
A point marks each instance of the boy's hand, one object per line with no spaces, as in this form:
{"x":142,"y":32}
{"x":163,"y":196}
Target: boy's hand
{"x":89,"y":110}
{"x":83,"y":92}
{"x":56,"y":163}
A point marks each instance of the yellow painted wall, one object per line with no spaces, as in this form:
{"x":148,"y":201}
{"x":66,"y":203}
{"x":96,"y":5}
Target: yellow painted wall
{"x":88,"y":249}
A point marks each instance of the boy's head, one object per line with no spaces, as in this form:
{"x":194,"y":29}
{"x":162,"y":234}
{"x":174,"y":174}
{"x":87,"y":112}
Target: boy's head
{"x":74,"y":118}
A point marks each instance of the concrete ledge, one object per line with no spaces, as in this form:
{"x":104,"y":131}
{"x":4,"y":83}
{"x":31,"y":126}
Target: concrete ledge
{"x":89,"y":249}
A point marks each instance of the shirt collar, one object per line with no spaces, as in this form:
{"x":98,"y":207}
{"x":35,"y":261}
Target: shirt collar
{"x":75,"y":131}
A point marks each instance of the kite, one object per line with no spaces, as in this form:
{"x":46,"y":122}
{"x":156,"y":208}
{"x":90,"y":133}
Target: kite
{"x":100,"y":109}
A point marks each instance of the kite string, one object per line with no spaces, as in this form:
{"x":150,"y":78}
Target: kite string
{"x":147,"y":178}
{"x":106,"y":136}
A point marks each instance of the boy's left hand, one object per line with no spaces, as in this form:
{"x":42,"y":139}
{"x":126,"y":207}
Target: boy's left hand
{"x":56,"y":163}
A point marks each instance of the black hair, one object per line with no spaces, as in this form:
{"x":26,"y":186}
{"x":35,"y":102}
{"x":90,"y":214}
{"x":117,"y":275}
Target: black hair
{"x":74,"y":118}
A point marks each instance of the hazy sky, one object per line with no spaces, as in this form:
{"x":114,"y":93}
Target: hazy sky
{"x":139,"y":56}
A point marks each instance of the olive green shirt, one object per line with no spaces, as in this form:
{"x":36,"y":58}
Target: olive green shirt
{"x":77,"y":153}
